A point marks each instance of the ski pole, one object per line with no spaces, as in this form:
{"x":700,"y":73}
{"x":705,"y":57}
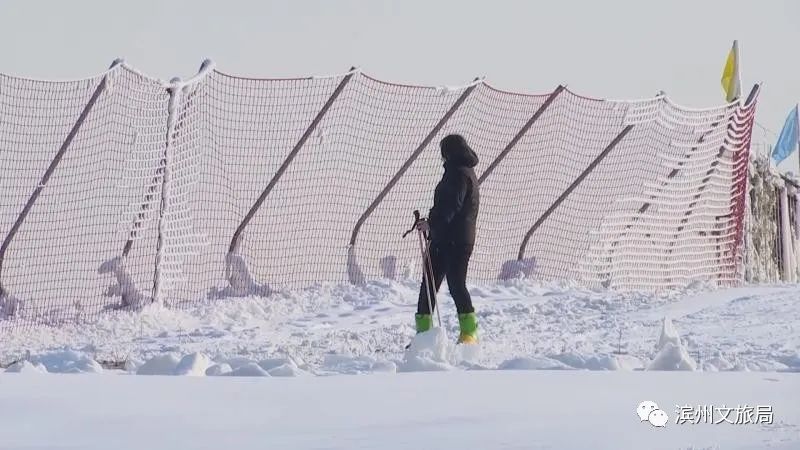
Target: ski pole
{"x":426,"y":264}
{"x":427,"y":267}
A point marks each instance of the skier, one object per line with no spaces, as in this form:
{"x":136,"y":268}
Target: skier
{"x":451,"y":230}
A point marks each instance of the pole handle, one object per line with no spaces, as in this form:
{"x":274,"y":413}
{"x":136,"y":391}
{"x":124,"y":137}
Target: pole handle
{"x":414,"y":225}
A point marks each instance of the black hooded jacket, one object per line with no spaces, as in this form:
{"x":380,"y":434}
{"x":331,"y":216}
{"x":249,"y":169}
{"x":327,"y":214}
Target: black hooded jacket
{"x":454,"y":215}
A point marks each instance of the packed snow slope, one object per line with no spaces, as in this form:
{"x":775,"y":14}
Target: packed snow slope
{"x":345,"y":329}
{"x":249,"y":372}
{"x":498,"y":410}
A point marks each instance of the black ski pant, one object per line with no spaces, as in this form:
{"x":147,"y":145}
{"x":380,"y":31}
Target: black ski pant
{"x":451,"y":261}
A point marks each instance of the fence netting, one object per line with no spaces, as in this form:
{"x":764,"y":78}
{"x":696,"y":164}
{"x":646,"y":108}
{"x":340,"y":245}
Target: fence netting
{"x":121,"y":190}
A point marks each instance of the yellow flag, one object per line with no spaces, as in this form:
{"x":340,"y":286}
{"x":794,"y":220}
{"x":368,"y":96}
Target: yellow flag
{"x":730,"y":75}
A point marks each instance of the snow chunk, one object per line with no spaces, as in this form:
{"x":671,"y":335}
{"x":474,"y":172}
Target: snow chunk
{"x":286,"y":370}
{"x":447,"y":90}
{"x":248,"y":370}
{"x":671,"y":353}
{"x":791,"y":359}
{"x":130,"y":297}
{"x":717,"y":363}
{"x":428,"y":351}
{"x":281,"y":367}
{"x":133,"y":364}
{"x":237,"y":362}
{"x":194,"y":364}
{"x":159,"y":365}
{"x":517,"y":269}
{"x":668,"y":334}
{"x":271,"y":363}
{"x":629,"y":362}
{"x":26,"y":367}
{"x":218,"y":369}
{"x":672,"y":357}
{"x":430,"y":344}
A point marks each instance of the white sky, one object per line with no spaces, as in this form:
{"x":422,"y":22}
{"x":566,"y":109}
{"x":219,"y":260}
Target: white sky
{"x":605,"y":48}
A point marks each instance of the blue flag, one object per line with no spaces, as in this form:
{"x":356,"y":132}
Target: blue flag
{"x":789,"y":138}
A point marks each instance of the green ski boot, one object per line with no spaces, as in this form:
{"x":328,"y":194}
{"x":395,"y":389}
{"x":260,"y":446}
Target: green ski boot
{"x":423,"y":322}
{"x":468,"y":323}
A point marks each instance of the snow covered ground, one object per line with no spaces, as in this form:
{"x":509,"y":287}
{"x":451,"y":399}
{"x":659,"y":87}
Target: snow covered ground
{"x":332,"y":329}
{"x":717,"y":348}
{"x":566,"y":410}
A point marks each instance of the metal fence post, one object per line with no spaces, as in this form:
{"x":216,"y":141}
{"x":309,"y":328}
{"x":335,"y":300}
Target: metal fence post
{"x":414,"y":155}
{"x":571,"y":188}
{"x":299,"y":145}
{"x":520,"y":134}
{"x":51,"y":169}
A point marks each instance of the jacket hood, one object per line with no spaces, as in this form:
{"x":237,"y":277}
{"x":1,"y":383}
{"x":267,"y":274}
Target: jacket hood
{"x":456,"y":152}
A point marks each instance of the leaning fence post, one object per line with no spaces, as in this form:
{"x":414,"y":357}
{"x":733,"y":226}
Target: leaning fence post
{"x":571,"y":188}
{"x":354,"y":274}
{"x":520,"y":134}
{"x":391,"y":183}
{"x":51,"y":169}
{"x":286,"y":162}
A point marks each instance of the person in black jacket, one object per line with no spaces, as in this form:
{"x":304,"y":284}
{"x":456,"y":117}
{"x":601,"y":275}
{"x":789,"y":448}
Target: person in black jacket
{"x":451,"y":227}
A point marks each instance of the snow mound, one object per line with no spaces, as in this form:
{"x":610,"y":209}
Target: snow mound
{"x":286,"y":370}
{"x":599,"y":362}
{"x":428,"y":351}
{"x":281,"y":367}
{"x":343,"y":364}
{"x":629,"y":362}
{"x":671,"y":353}
{"x":573,"y":361}
{"x":67,"y":361}
{"x":672,"y":357}
{"x":248,"y":370}
{"x":272,"y":363}
{"x":532,"y":363}
{"x":668,"y":334}
{"x":791,"y":360}
{"x":194,"y":364}
{"x":335,"y":329}
{"x":218,"y":369}
{"x":26,"y":367}
{"x":165,"y":364}
{"x":132,"y":365}
{"x":416,"y":363}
